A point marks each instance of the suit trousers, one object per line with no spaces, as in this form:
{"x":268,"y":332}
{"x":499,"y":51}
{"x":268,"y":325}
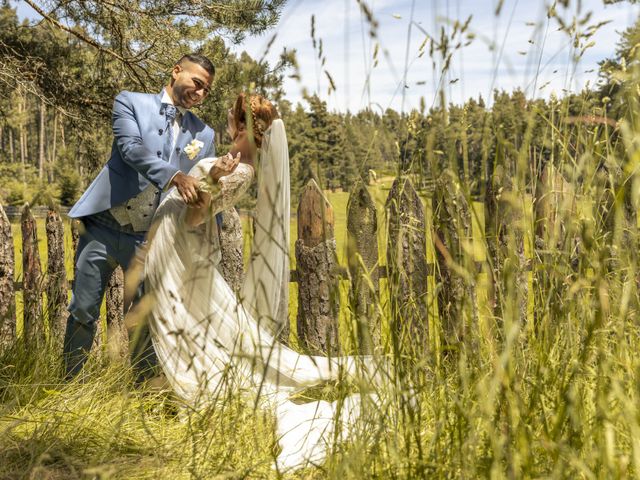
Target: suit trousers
{"x":101,"y":249}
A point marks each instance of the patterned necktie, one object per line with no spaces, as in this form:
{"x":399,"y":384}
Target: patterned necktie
{"x":170,"y":113}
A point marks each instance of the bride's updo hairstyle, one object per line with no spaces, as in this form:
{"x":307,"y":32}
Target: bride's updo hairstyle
{"x":262,"y":112}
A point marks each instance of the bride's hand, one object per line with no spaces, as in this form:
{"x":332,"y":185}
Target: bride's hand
{"x":224,"y":166}
{"x":197,"y":210}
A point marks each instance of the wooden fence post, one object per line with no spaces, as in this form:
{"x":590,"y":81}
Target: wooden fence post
{"x":56,"y":277}
{"x":453,"y":232}
{"x":407,"y":268}
{"x":231,"y":264}
{"x":318,"y":299}
{"x":362,"y":258}
{"x":483,"y":279}
{"x":112,"y":338}
{"x":32,"y":283}
{"x":117,"y":341}
{"x":75,"y":238}
{"x":555,"y":200}
{"x":435,"y":328}
{"x":555,"y":210}
{"x":7,"y":293}
{"x":527,"y":257}
{"x":510,"y":241}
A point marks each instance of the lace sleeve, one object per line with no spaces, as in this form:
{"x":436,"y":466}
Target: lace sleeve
{"x":226,"y":192}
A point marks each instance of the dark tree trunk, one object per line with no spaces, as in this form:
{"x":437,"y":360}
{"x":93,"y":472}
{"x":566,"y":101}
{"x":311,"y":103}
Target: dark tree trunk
{"x":41,"y":140}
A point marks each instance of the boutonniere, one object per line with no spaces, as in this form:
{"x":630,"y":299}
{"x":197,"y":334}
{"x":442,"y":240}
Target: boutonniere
{"x":193,"y":149}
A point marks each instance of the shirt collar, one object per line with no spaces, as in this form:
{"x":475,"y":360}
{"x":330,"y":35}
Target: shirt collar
{"x":167,"y":99}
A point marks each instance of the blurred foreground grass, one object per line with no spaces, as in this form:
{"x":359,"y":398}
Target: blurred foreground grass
{"x":552,"y":395}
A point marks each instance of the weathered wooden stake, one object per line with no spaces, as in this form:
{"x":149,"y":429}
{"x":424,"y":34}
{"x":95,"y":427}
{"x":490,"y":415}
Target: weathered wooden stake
{"x":362,"y":258}
{"x":117,"y":335}
{"x":527,"y":259}
{"x":483,"y":280}
{"x":75,"y":238}
{"x":7,"y":293}
{"x":452,"y":236}
{"x":318,"y":299}
{"x":407,"y":262}
{"x":555,"y":243}
{"x":32,"y":279}
{"x":435,"y":330}
{"x":56,"y":277}
{"x":555,"y":201}
{"x":509,"y":228}
{"x":114,"y":306}
{"x":231,"y":242}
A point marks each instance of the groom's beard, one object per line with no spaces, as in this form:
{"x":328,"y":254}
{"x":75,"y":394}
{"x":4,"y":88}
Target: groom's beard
{"x":184,"y":98}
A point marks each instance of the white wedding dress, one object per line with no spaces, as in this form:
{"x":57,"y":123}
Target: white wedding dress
{"x":210,"y":341}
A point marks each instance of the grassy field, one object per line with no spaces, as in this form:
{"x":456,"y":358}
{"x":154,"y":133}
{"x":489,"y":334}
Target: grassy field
{"x":542,"y":385}
{"x":555,"y":397}
{"x":536,"y":379}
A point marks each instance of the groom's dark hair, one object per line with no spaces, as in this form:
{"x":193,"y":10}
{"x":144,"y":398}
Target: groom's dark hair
{"x":201,"y":60}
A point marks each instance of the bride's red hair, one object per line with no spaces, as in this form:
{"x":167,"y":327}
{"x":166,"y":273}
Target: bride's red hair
{"x":262,"y":112}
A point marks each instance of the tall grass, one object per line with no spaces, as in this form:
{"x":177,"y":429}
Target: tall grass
{"x":99,"y":426}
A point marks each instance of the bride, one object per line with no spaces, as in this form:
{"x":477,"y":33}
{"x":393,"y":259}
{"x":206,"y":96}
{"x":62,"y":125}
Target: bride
{"x":211,"y":341}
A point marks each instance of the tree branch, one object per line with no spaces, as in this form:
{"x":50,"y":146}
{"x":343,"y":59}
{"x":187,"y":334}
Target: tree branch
{"x":75,"y":33}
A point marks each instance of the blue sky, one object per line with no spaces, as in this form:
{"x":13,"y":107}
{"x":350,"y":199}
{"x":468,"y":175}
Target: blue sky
{"x":530,"y":53}
{"x":521,"y":35}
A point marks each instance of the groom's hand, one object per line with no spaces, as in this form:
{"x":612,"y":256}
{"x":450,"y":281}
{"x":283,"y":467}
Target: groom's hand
{"x":187,"y":187}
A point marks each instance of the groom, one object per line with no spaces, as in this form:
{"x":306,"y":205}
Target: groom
{"x":156,"y":142}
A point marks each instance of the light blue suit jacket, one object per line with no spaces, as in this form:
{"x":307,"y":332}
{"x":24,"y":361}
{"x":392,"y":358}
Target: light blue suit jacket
{"x":138,"y":155}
